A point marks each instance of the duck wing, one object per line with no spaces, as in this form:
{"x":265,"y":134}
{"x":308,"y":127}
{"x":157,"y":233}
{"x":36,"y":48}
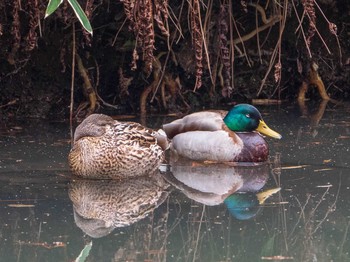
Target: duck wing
{"x":199,"y":121}
{"x":146,"y":136}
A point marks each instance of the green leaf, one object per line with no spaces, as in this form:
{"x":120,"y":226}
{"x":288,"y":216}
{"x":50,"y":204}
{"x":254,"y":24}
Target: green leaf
{"x":81,"y":15}
{"x":268,"y":247}
{"x":84,"y":253}
{"x":52,"y":6}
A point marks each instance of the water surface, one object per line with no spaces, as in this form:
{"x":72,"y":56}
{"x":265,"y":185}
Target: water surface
{"x":189,"y":212}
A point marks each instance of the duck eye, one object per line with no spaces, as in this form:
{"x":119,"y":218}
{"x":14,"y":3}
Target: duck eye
{"x":247,"y":115}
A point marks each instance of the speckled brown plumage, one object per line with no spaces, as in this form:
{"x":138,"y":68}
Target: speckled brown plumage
{"x":102,"y":205}
{"x":106,"y":148}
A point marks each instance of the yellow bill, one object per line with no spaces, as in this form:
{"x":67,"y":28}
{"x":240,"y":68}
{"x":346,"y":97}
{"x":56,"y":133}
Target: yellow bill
{"x":265,"y":130}
{"x":262,"y":196}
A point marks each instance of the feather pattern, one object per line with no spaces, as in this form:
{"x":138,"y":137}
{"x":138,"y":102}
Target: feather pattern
{"x":221,"y":136}
{"x":102,"y":205}
{"x":107,"y":148}
{"x":218,"y":145}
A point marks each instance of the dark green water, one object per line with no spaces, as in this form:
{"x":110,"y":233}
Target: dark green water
{"x":189,"y":212}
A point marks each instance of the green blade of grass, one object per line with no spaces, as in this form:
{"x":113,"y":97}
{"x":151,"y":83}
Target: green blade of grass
{"x":52,"y":6}
{"x":81,"y":15}
{"x":84,"y":253}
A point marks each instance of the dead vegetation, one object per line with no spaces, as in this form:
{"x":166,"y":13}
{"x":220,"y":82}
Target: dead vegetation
{"x":171,"y":52}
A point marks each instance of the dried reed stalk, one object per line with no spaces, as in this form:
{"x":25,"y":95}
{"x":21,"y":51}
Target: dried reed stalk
{"x":141,"y":15}
{"x":309,"y":9}
{"x":333,"y":29}
{"x":124,"y":83}
{"x":33,"y":12}
{"x":15,"y":31}
{"x":88,"y":11}
{"x":147,"y":34}
{"x":88,"y":88}
{"x":197,"y":41}
{"x":282,"y":15}
{"x":161,"y":15}
{"x":224,"y":51}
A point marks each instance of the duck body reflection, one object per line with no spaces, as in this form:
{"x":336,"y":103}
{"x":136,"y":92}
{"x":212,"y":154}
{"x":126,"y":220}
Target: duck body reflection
{"x":100,"y":206}
{"x":238,"y":187}
{"x":210,"y":184}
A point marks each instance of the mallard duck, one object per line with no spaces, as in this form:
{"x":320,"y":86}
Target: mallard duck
{"x":221,"y":136}
{"x":106,"y":148}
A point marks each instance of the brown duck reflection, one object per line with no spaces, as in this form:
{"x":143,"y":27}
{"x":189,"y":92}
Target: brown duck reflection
{"x":100,"y":206}
{"x":211,"y":184}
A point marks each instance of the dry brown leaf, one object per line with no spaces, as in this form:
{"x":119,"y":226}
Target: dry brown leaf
{"x":277,"y":258}
{"x":293,"y":167}
{"x":21,"y":205}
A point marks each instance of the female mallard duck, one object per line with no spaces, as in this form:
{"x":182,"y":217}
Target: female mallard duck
{"x":211,"y":135}
{"x":106,"y":148}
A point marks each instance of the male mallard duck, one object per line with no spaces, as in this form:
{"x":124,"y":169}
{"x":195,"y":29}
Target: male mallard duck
{"x":211,"y":135}
{"x":106,"y":148}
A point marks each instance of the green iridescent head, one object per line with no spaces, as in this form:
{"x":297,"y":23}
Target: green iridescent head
{"x":246,"y":118}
